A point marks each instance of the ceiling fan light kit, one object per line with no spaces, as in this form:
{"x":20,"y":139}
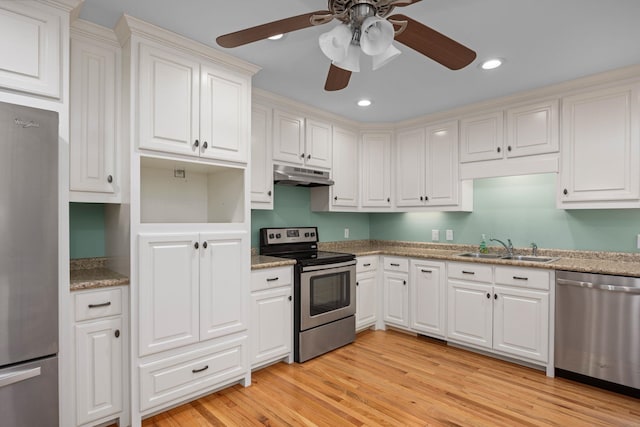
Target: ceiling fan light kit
{"x":366,"y":26}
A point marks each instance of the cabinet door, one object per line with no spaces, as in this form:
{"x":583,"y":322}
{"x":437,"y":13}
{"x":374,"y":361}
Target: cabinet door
{"x":481,"y":137}
{"x":600,"y":148}
{"x":345,"y":168}
{"x":521,"y":323}
{"x":410,"y":168}
{"x":93,"y":97}
{"x":318,"y":144}
{"x":428,"y":290}
{"x":30,"y":48}
{"x":271,"y":324}
{"x":288,"y":137}
{"x":98,"y":369}
{"x":169,"y":293}
{"x":169,"y":101}
{"x":261,"y":161}
{"x":224,"y":283}
{"x":532,"y":129}
{"x":470,"y":313}
{"x":396,"y":298}
{"x":376,"y":169}
{"x":441,"y":181}
{"x":366,"y":301}
{"x":224,"y":115}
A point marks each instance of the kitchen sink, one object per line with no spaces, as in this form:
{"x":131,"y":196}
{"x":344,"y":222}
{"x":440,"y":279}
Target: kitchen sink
{"x":480,"y":255}
{"x":529,"y":258}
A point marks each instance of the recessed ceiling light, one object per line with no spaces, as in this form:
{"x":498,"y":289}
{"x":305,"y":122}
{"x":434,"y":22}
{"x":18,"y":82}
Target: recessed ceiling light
{"x":492,"y":63}
{"x":276,"y":37}
{"x":364,"y":103}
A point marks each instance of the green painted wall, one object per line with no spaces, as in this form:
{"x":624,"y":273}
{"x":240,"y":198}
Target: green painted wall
{"x":86,"y":230}
{"x":292,"y":208}
{"x":521,"y":208}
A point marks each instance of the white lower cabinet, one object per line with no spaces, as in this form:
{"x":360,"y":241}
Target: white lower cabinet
{"x":99,"y":355}
{"x":428,"y":297}
{"x":395,"y":283}
{"x":507,"y":312}
{"x":193,"y":302}
{"x":366,"y":292}
{"x":271,"y":316}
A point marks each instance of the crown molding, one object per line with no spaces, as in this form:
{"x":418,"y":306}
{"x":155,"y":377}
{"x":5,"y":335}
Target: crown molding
{"x":83,"y":28}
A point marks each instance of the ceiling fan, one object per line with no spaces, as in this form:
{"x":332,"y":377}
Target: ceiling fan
{"x":367,"y":25}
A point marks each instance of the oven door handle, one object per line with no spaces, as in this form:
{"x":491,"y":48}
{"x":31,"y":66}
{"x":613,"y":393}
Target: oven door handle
{"x":328,"y":266}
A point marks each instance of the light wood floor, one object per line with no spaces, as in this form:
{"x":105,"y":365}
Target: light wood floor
{"x":393,"y":379}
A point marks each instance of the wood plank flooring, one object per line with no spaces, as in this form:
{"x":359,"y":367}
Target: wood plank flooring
{"x":394,"y":379}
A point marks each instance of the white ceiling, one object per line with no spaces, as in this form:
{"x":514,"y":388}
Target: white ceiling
{"x":543,"y":42}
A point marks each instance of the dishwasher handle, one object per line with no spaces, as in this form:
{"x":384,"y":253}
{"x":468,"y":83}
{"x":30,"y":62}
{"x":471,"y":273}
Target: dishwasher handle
{"x":603,"y":287}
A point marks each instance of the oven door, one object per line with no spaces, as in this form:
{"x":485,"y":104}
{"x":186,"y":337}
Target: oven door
{"x":327,"y":293}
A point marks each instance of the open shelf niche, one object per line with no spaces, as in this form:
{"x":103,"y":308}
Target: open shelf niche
{"x":174,"y":191}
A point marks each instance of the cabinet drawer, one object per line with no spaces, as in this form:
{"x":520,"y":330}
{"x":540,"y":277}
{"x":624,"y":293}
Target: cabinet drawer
{"x":471,"y":272}
{"x":523,"y":277}
{"x":270,"y":278}
{"x":96,"y":304}
{"x":367,"y":263}
{"x":396,"y":264}
{"x":176,"y":377}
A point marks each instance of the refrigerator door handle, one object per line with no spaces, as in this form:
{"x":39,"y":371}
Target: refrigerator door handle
{"x":16,"y":377}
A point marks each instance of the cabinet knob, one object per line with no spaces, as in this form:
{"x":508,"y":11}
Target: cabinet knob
{"x":499,"y":149}
{"x":421,"y":198}
{"x":117,"y":333}
{"x":308,"y":156}
{"x":204,"y":244}
{"x":269,"y":193}
{"x":205,"y":145}
{"x":565,"y":191}
{"x":302,"y":156}
{"x":196,"y":245}
{"x":110,"y":179}
{"x":357,"y":283}
{"x":404,"y":282}
{"x":488,"y":295}
{"x":509,"y":148}
{"x":290,"y":298}
{"x":335,"y":198}
{"x":196,"y":144}
{"x":426,"y":198}
{"x":495,"y":296}
{"x":388,"y":199}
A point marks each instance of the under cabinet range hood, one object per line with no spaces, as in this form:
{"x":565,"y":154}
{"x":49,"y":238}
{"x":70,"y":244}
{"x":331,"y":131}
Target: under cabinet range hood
{"x":301,"y":177}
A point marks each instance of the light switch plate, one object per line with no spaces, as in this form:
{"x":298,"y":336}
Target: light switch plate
{"x":435,"y":235}
{"x":638,"y":241}
{"x":346,"y":233}
{"x":449,"y":234}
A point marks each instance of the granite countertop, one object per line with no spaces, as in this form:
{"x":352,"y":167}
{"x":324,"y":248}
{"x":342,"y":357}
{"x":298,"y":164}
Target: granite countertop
{"x":91,"y":273}
{"x":261,"y":261}
{"x":616,"y":263}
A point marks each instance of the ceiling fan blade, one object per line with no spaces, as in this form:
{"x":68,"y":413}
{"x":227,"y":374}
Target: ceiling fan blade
{"x":263,"y":31}
{"x":337,"y":79}
{"x":433,"y":44}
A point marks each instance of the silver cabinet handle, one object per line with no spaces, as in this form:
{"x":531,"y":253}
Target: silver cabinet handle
{"x":16,"y":377}
{"x":611,"y":288}
{"x":104,"y":304}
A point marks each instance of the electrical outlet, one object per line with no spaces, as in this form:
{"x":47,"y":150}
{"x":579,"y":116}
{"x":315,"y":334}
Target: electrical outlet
{"x":449,"y":234}
{"x":638,"y":241}
{"x":435,"y":235}
{"x":346,"y":233}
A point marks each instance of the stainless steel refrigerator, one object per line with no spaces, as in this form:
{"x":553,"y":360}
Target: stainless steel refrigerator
{"x":28,"y":267}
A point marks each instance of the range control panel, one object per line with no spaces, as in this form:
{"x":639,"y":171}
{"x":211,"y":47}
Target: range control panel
{"x":276,"y":236}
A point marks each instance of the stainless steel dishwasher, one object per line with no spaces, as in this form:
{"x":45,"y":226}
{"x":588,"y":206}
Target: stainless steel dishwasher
{"x":598,"y":329}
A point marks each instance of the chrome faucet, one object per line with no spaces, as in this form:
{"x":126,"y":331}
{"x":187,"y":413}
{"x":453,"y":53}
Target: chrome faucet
{"x":534,"y":249}
{"x":508,"y":247}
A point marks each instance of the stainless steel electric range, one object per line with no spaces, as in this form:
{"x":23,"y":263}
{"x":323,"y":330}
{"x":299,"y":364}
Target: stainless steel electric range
{"x":324,"y":290}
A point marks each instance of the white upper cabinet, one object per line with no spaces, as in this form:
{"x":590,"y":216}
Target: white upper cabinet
{"x":345,"y":168}
{"x":376,"y":169}
{"x":601,"y":149}
{"x":427,"y":166}
{"x":30,"y":48}
{"x":532,"y":129}
{"x":261,"y":158}
{"x":94,"y":98}
{"x":191,"y":107}
{"x":300,"y":141}
{"x":481,"y":137}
